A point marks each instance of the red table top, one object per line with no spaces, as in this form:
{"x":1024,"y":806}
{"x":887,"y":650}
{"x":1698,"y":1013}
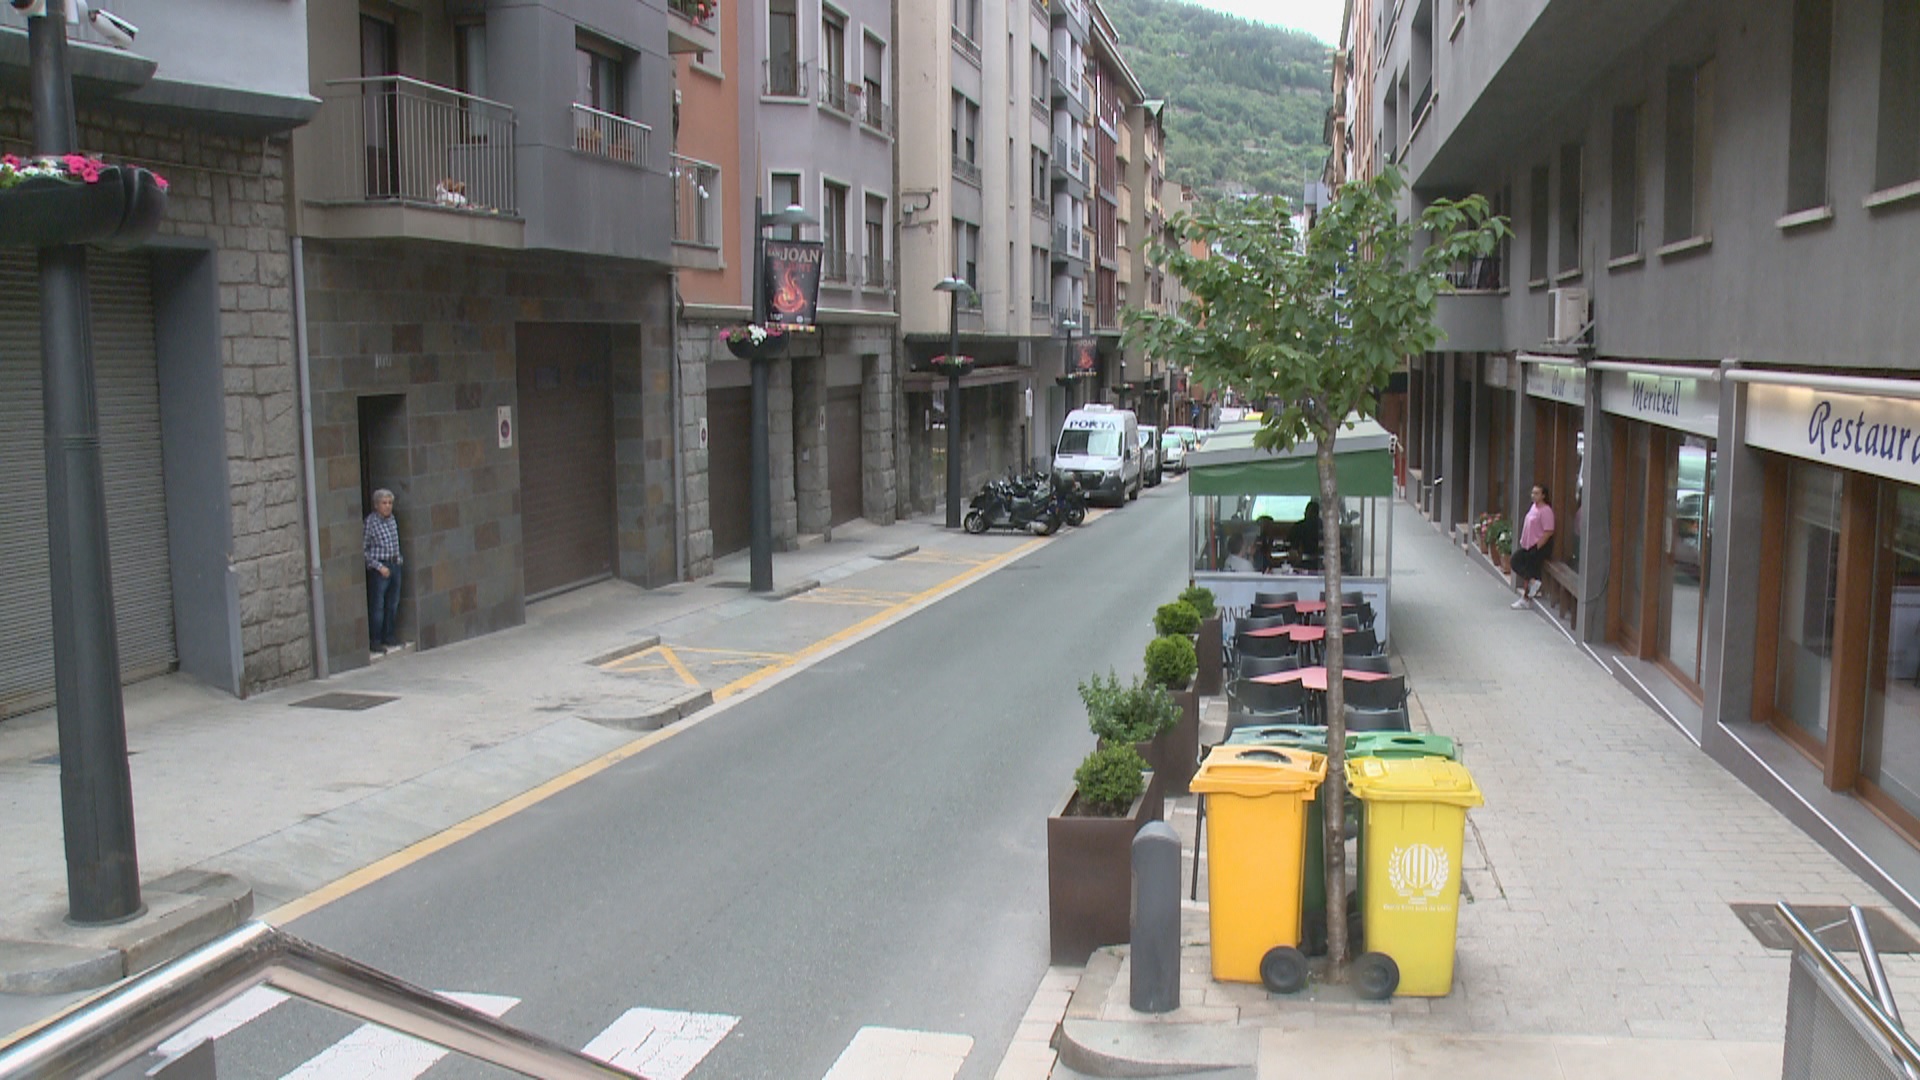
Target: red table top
{"x":1309,"y":607}
{"x":1315,"y":678}
{"x":1297,"y":631}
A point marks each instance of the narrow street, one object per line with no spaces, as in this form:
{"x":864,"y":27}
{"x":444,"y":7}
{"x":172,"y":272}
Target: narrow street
{"x":861,"y":845}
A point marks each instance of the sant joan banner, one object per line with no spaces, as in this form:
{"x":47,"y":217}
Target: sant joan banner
{"x":792,"y":285}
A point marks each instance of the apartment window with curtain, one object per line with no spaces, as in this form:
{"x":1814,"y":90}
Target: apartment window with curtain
{"x":833,"y":60}
{"x":1039,"y":177}
{"x":600,"y":127}
{"x":873,"y":75}
{"x":1570,"y":209}
{"x":1807,"y":104}
{"x":1539,"y":204}
{"x":1689,"y":153}
{"x":1629,"y":205}
{"x":877,"y":276}
{"x":602,"y":80}
{"x":1896,"y":158}
{"x":784,"y":191}
{"x":1042,"y":282}
{"x":783,"y":48}
{"x":470,"y":58}
{"x":966,"y":253}
{"x":833,"y":231}
{"x":1041,"y":86}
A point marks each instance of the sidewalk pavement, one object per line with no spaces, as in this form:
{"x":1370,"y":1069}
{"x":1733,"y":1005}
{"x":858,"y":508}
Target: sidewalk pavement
{"x":259,"y":794}
{"x":1597,"y":939}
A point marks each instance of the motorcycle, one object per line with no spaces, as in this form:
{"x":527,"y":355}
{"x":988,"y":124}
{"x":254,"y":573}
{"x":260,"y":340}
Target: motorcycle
{"x":1069,"y":499}
{"x":1012,"y":504}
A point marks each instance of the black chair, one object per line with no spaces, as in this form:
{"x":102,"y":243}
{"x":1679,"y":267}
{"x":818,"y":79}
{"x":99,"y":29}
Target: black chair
{"x":1251,"y":666}
{"x":1263,"y":699}
{"x":1262,"y":611}
{"x":1237,"y":719}
{"x":1262,"y":646}
{"x":1390,"y":693}
{"x":1361,"y":643}
{"x":1378,"y":664}
{"x":1377,"y":720}
{"x":1259,"y":622}
{"x":1350,"y":622}
{"x":1274,"y":599}
{"x":1353,"y":599}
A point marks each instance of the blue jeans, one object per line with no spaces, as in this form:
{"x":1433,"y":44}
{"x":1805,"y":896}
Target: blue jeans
{"x":383,"y":606}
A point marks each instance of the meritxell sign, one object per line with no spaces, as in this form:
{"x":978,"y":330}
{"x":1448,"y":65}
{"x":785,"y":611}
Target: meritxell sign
{"x":1682,"y":402}
{"x":1875,"y":435}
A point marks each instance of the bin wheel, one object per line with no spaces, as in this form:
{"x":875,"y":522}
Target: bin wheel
{"x":1376,"y":976}
{"x":1284,"y":970}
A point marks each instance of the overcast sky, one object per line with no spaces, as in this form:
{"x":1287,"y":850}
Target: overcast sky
{"x":1321,"y":18}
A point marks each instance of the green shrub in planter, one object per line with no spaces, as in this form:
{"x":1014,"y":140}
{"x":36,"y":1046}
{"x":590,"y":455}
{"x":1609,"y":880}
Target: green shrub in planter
{"x":1110,"y":779}
{"x":1171,"y":661}
{"x":1125,"y":715}
{"x":1178,"y":617}
{"x":1200,"y":599}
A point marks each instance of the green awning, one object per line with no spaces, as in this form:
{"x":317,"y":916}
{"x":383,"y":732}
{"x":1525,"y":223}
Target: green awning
{"x":1230,"y":465}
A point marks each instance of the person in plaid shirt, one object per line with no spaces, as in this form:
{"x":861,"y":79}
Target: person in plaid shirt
{"x":381,"y":543}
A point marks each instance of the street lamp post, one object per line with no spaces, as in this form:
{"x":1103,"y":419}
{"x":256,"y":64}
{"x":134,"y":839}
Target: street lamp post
{"x":760,"y":468}
{"x":1069,"y":324}
{"x":955,"y":288}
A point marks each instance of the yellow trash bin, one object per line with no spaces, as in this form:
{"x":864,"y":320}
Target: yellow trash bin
{"x":1256,"y":825}
{"x":1413,"y":825}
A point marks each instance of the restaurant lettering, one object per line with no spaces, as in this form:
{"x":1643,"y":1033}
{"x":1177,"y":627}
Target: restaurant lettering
{"x":1878,"y":435}
{"x":1830,"y":434}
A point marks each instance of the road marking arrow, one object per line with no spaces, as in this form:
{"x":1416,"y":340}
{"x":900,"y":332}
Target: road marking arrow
{"x":660,"y":1044}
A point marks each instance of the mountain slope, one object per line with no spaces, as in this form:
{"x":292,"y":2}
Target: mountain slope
{"x":1247,"y":103}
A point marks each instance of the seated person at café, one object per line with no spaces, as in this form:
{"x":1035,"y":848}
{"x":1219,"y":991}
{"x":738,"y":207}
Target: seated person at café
{"x":1304,"y":537}
{"x":1237,"y":561}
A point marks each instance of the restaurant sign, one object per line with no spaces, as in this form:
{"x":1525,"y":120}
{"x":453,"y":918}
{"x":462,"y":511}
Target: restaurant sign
{"x":1565,"y":383}
{"x":1875,"y":435}
{"x":1676,"y":401}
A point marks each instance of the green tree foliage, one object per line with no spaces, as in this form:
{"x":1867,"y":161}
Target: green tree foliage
{"x":1247,"y":103}
{"x":1312,"y":326}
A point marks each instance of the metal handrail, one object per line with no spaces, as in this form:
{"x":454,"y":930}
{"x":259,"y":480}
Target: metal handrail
{"x":1858,"y":996}
{"x":119,"y":1026}
{"x":602,"y":134}
{"x":418,"y":84}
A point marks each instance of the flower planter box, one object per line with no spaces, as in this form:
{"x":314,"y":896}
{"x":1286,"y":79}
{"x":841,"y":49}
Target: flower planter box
{"x":1208,"y":681}
{"x":121,"y":208}
{"x":745,"y":348}
{"x":942,"y":366}
{"x":1090,"y":878}
{"x":1180,"y":748}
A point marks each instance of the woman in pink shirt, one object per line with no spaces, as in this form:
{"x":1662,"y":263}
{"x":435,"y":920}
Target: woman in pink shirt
{"x":1536,"y":539}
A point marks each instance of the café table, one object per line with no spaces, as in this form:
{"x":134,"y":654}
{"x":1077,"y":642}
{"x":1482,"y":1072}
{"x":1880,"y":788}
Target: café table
{"x":1315,"y":678}
{"x":1299,"y":632}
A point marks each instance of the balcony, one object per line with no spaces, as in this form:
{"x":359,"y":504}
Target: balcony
{"x":1042,"y":309}
{"x":966,"y":171}
{"x":606,"y":135}
{"x":834,"y":267}
{"x":691,"y":26}
{"x":783,"y":77}
{"x":1476,"y":275}
{"x":1060,"y":240}
{"x":1068,"y":96}
{"x":838,"y":95}
{"x":878,"y":274}
{"x":696,"y":203}
{"x":966,"y":46}
{"x":876,"y":115}
{"x":403,"y":158}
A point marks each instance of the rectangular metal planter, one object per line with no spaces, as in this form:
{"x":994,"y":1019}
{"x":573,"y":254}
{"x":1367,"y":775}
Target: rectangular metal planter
{"x":1208,"y":647}
{"x":1090,"y":878}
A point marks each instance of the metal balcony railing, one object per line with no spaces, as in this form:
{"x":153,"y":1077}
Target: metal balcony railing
{"x":837,"y":94}
{"x":696,"y":202}
{"x":833,"y":265}
{"x":1042,"y":309}
{"x":606,"y":135}
{"x":1061,"y":238}
{"x":1481,"y":274}
{"x":698,"y":12}
{"x":878,"y":273}
{"x":875,"y":113}
{"x":122,"y":1024}
{"x":783,"y":77}
{"x":395,"y":139}
{"x":966,"y":45}
{"x":967,"y":171}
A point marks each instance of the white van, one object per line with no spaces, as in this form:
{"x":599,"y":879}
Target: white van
{"x":1100,"y":447}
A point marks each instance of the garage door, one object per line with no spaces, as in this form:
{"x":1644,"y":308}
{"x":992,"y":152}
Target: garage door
{"x":128,"y":395}
{"x":566,"y":456}
{"x":729,"y":449}
{"x":843,"y":452}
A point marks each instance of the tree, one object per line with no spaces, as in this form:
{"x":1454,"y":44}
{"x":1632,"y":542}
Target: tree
{"x":1313,"y":326}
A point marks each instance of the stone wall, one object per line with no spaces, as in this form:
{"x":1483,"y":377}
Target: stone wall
{"x":434,"y":327}
{"x":813,"y":497}
{"x":693,"y":345}
{"x":878,"y":437}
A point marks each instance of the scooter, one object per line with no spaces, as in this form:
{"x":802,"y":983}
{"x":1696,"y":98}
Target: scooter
{"x":1069,"y":499}
{"x":1011,"y":504}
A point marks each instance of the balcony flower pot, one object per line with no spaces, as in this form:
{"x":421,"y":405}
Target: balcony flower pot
{"x":958,"y":365}
{"x":1090,"y":876}
{"x":755,"y":342}
{"x":51,"y":201}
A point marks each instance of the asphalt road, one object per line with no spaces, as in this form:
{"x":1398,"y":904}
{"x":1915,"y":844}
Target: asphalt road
{"x":862,"y":844}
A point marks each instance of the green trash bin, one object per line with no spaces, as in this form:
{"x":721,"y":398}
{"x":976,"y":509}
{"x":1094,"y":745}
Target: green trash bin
{"x":1401,"y":744}
{"x":1313,"y":905}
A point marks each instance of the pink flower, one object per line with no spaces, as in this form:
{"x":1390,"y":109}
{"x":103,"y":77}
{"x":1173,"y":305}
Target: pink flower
{"x":10,"y":161}
{"x":160,"y":181}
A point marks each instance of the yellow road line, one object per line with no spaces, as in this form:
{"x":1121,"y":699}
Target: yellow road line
{"x":446,"y":838}
{"x":674,"y":663}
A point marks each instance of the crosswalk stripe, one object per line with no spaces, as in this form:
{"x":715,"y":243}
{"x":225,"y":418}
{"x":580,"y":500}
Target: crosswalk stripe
{"x":375,"y":1053}
{"x":224,"y":1020}
{"x":660,"y":1044}
{"x":882,"y":1053}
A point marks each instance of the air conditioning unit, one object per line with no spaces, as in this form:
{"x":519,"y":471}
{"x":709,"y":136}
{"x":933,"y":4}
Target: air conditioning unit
{"x":1566,"y":315}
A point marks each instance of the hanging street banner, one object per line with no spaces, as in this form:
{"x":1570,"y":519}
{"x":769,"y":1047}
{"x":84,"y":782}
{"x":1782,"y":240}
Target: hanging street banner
{"x":793,"y":281}
{"x":1086,"y":357}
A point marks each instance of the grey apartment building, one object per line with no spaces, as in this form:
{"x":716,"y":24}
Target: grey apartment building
{"x":483,"y":216}
{"x":1701,"y":338}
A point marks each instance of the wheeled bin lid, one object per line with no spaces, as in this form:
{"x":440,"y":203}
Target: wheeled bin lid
{"x":1400,"y":744}
{"x":1428,"y":780}
{"x":1298,"y":736}
{"x":1255,"y":770}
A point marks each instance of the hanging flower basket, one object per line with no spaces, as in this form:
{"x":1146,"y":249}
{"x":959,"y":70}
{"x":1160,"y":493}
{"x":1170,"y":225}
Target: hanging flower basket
{"x":755,"y":342}
{"x":950,"y":366}
{"x":51,"y":201}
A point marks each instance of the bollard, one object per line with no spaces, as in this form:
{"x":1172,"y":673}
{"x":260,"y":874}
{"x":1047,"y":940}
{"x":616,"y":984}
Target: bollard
{"x":1155,"y":954}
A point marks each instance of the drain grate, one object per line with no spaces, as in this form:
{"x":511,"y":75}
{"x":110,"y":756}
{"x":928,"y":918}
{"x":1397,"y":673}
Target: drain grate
{"x":1830,"y":923}
{"x":344,"y":702}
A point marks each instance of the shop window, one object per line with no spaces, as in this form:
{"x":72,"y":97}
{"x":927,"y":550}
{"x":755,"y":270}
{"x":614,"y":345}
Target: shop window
{"x":1630,"y":546}
{"x":1690,"y":464}
{"x":1809,"y":579}
{"x":1890,"y":745}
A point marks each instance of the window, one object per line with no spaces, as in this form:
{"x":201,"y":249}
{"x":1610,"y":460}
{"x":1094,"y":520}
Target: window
{"x":1896,"y":157}
{"x":783,"y":48}
{"x":1539,"y":199}
{"x":1629,"y":208}
{"x":1809,"y":589}
{"x":833,"y":232}
{"x":873,"y":79}
{"x":1807,"y":104}
{"x":1890,"y":746}
{"x":1689,"y":152}
{"x":1040,"y":88}
{"x":783,"y":192}
{"x":966,"y":252}
{"x":1039,"y":177}
{"x":877,"y":275}
{"x":1570,"y":164}
{"x":602,"y":80}
{"x":833,"y":61}
{"x":470,"y":58}
{"x":966,"y":18}
{"x":1042,"y":281}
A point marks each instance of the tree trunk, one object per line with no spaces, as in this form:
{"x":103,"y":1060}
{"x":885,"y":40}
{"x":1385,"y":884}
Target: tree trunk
{"x":1333,"y":793}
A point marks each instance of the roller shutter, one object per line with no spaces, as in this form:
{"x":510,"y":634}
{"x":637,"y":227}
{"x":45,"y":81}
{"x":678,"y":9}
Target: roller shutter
{"x":128,"y":398}
{"x":566,"y":456}
{"x":729,"y":459}
{"x":843,"y":452}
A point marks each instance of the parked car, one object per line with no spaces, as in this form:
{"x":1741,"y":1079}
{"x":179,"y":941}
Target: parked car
{"x":1099,"y":448}
{"x":1151,"y":471}
{"x":1173,"y":451}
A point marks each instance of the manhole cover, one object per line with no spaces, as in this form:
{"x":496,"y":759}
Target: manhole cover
{"x":1830,"y":923}
{"x":342,"y":702}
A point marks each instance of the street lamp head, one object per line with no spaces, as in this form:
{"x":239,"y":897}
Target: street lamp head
{"x":792,"y":215}
{"x":953,"y":285}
